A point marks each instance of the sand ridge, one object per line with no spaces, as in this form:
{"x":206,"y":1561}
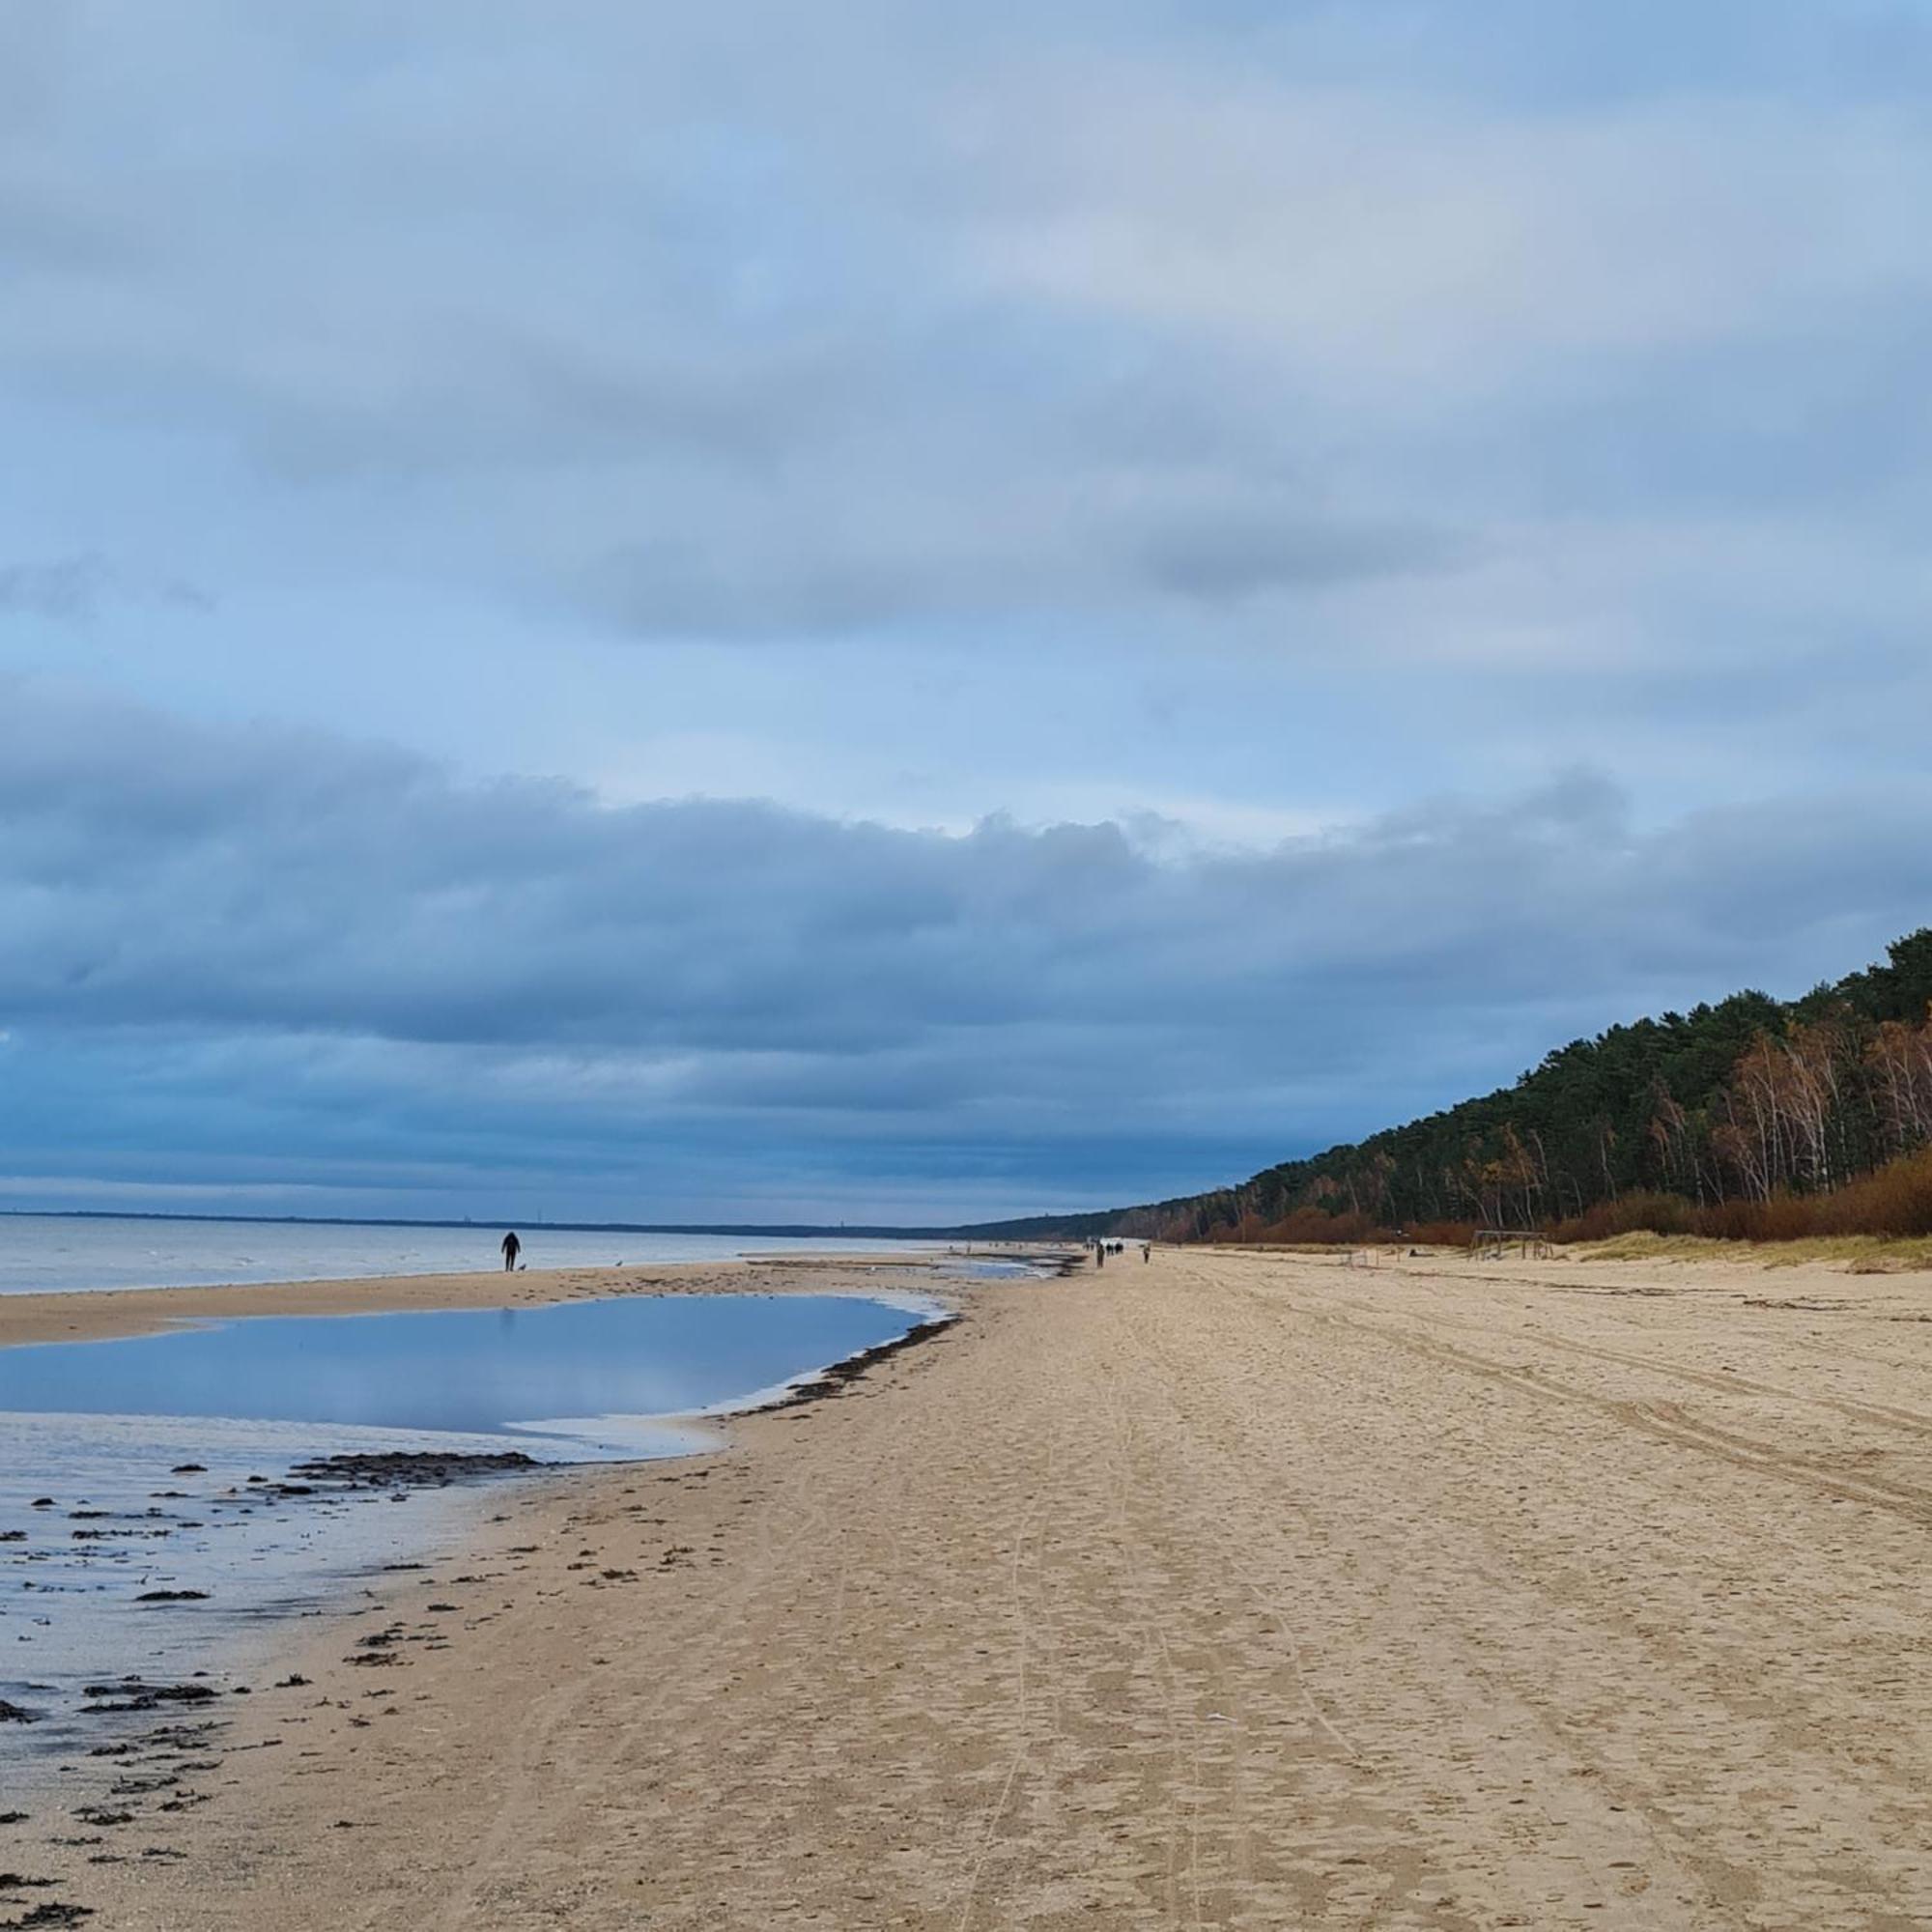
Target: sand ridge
{"x":98,"y":1314}
{"x":1226,"y":1590}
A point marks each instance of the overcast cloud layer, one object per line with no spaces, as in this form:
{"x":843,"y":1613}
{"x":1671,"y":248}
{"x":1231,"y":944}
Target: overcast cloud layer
{"x":889,"y":611}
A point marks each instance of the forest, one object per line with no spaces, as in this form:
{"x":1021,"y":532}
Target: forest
{"x":1752,"y":1117}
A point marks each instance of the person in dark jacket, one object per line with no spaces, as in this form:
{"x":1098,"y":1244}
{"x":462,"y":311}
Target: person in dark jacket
{"x":512,"y":1248}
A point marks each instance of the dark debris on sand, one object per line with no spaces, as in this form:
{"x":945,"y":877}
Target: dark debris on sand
{"x":841,"y":1375}
{"x":131,"y":1693}
{"x":406,"y":1469}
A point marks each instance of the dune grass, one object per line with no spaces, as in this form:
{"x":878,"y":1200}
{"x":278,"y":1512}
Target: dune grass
{"x":1860,"y":1254}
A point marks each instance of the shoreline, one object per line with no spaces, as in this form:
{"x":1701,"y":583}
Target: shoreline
{"x":85,"y":1315}
{"x":275,"y":1655}
{"x":247,"y":1639}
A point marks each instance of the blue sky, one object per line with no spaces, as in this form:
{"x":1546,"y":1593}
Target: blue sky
{"x":905,"y":612}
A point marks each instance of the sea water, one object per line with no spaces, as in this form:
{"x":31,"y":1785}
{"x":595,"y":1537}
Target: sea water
{"x":45,"y":1252}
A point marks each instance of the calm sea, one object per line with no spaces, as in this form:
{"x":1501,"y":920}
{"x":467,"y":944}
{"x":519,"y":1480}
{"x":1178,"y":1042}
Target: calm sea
{"x":40,"y":1252}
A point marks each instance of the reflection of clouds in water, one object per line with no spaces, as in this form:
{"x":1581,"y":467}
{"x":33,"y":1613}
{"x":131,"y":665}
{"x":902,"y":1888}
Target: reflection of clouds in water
{"x":105,"y":1425}
{"x":480,"y":1370}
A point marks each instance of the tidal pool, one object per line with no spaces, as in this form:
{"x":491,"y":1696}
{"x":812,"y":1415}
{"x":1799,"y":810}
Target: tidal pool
{"x":578,"y":1375}
{"x":145,"y":1524}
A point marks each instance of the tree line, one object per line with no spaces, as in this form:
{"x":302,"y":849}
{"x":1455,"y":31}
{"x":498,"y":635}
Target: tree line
{"x":1752,"y":1116}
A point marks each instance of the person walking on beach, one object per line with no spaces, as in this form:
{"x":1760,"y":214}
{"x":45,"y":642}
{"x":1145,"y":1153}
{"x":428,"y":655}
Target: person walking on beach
{"x":512,"y":1248}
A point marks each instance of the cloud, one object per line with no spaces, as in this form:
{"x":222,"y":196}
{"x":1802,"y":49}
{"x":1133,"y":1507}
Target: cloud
{"x":309,"y":936}
{"x":1048,"y":548}
{"x":1417,"y":249}
{"x":72,"y":590}
{"x":1266,"y":416}
{"x":696,"y":357}
{"x":1351,"y":339}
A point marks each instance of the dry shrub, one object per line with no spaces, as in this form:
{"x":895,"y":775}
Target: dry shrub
{"x":1897,"y":1201}
{"x":1315,"y":1225}
{"x":1784,"y":1217}
{"x":1298,"y":1228}
{"x":1440,"y":1234}
{"x":1632,"y":1214}
{"x":1894,"y":1203}
{"x":1316,"y":1228}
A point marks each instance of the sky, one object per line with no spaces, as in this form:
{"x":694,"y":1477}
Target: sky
{"x":907,"y":612}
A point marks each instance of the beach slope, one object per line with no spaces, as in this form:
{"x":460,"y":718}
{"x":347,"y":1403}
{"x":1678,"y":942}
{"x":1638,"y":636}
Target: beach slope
{"x":1226,"y":1590}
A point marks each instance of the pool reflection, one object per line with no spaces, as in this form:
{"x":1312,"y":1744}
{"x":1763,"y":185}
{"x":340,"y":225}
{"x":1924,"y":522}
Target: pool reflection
{"x":473,"y":1370}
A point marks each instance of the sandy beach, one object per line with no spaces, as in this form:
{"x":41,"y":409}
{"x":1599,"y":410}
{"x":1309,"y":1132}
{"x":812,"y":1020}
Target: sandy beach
{"x":1227,"y":1589}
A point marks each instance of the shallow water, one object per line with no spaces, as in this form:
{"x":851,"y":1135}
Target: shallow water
{"x":561,"y":1370}
{"x":104,"y":1437}
{"x":45,"y":1252}
{"x":119,"y":1525}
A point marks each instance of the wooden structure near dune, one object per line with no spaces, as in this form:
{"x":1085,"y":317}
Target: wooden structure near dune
{"x":1493,"y":1245}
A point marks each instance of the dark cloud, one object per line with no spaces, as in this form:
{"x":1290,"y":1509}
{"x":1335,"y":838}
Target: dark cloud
{"x":764,"y":581}
{"x":313,"y":935}
{"x":1246,"y":555}
{"x":70,"y":589}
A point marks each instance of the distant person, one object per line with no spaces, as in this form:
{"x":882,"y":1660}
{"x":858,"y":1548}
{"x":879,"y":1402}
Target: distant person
{"x":512,"y":1248}
{"x":1146,"y":1251}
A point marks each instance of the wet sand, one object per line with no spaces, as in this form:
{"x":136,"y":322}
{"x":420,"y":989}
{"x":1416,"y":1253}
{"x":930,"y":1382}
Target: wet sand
{"x":95,"y":1316}
{"x":1226,"y":1590}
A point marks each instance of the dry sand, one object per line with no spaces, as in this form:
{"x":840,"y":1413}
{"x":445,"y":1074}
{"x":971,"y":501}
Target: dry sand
{"x":1226,"y":1590}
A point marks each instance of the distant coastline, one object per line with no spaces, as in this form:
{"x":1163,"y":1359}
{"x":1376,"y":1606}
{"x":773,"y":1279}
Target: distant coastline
{"x":792,"y":1231}
{"x":94,"y":1252}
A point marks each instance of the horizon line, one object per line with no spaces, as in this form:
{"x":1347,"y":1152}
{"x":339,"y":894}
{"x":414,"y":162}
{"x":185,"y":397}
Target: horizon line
{"x":864,"y":1230}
